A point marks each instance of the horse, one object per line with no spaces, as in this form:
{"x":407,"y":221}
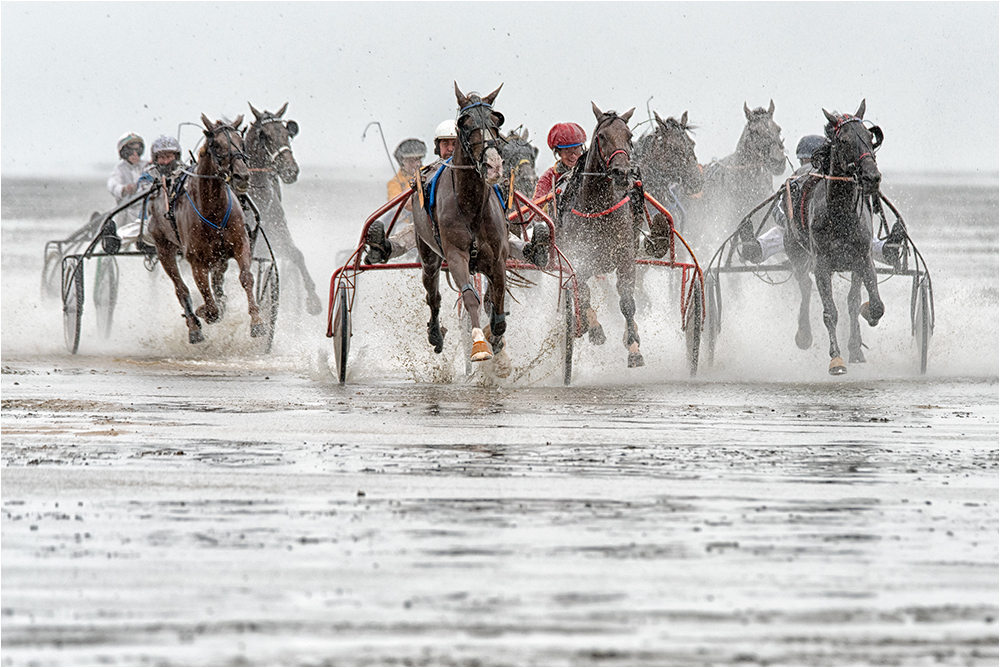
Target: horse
{"x":518,"y":164}
{"x":268,"y":147}
{"x":831,"y":231}
{"x":667,"y":162}
{"x":207,"y":225}
{"x":741,"y":180}
{"x":599,"y":215}
{"x":468,"y":228}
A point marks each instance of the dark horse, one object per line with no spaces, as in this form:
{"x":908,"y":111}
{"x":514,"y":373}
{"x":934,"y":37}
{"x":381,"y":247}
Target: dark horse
{"x":832,"y":229}
{"x":737,"y":183}
{"x":467,"y":227}
{"x":668,"y":164}
{"x":268,"y":147}
{"x":597,"y":226}
{"x":208,"y":227}
{"x":519,"y":164}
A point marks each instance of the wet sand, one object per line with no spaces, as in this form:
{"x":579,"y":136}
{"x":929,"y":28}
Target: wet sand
{"x":174,"y":512}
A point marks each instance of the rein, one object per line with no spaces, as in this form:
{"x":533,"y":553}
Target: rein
{"x":602,"y":213}
{"x":225,"y":220}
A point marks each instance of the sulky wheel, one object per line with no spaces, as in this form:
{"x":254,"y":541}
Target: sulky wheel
{"x":693,"y":326}
{"x":268,"y":294}
{"x":105,"y":294}
{"x":72,"y":296}
{"x":712,"y":315}
{"x":341,"y":332}
{"x":569,"y":311}
{"x":922,"y":326}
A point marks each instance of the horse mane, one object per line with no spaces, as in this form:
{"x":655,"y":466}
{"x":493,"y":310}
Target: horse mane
{"x":821,"y":159}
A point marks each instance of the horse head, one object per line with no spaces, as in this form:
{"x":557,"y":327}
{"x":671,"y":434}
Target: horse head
{"x":519,"y":159}
{"x":761,"y":141}
{"x":224,"y":145}
{"x":269,"y":141}
{"x":671,"y":149}
{"x":612,"y":144}
{"x":852,"y":148}
{"x":479,"y":138}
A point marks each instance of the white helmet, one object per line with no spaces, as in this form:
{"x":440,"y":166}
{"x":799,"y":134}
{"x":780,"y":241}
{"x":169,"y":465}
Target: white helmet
{"x":165,"y":143}
{"x":446,"y":130}
{"x":130,"y":138}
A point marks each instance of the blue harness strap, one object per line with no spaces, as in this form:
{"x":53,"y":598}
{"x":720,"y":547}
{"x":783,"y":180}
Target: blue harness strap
{"x":225,"y":220}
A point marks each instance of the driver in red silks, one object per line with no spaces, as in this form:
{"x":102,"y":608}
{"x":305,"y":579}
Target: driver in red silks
{"x":566,"y":141}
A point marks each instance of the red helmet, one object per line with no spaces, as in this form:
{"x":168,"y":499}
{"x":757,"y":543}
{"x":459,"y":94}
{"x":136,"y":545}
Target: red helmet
{"x":566,"y":135}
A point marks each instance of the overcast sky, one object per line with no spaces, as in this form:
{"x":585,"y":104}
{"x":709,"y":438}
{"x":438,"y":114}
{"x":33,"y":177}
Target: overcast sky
{"x":76,"y":75}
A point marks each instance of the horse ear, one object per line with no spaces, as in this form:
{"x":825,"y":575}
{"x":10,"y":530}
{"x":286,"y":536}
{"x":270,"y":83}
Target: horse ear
{"x":208,"y":123}
{"x":237,"y":122}
{"x":524,"y":134}
{"x":492,"y":96}
{"x":684,"y":120}
{"x":746,"y":111}
{"x":830,"y":117}
{"x":460,"y":97}
{"x":658,"y":119}
{"x":627,"y":115}
{"x":281,"y":112}
{"x":861,"y":110}
{"x":597,"y":110}
{"x":256,"y":114}
{"x":770,"y":109}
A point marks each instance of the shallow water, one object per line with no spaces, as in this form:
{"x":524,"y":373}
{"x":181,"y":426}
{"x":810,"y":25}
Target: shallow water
{"x":164,"y":505}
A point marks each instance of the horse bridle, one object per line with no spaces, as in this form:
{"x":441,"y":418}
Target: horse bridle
{"x":606,"y":162}
{"x":290,"y":126}
{"x":223,"y":173}
{"x":853,"y":167}
{"x":484,"y":123}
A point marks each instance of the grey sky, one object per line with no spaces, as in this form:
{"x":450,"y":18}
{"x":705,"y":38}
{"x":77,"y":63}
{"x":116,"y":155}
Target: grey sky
{"x":75,"y":76}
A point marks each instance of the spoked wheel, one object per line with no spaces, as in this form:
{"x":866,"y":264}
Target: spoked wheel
{"x":72,"y":296}
{"x":922,"y":324}
{"x":105,"y":294}
{"x":693,"y":326}
{"x":268,"y":294}
{"x":341,"y":332}
{"x":570,"y":334}
{"x":712,"y":315}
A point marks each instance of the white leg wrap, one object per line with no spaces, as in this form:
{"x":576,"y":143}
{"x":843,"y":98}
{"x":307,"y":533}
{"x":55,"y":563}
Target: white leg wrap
{"x":772,"y":241}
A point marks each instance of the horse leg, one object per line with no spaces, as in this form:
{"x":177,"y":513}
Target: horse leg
{"x":626,"y":302}
{"x":243,"y":260}
{"x":284,"y":235}
{"x":458,"y":265}
{"x":853,"y":309}
{"x":595,"y":332}
{"x":872,"y":310}
{"x":804,"y":337}
{"x":218,"y":280}
{"x":430,"y":263}
{"x":168,"y":260}
{"x":498,"y":323}
{"x":824,"y":283}
{"x":209,"y":310}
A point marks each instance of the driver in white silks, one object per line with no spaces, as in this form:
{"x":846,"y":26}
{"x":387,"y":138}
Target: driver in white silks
{"x":772,"y":241}
{"x":123,"y":184}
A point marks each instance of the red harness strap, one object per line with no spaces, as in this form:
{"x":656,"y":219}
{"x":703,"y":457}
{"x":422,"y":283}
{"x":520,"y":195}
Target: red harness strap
{"x":602,"y":213}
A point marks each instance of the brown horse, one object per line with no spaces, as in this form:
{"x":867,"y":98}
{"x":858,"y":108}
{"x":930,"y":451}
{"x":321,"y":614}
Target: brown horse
{"x":467,"y":227}
{"x":268,"y":147}
{"x":207,"y":226}
{"x":598,"y":225}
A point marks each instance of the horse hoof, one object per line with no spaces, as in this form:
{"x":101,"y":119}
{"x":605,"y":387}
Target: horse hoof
{"x":803,"y":339}
{"x":870,"y":315}
{"x":313,"y":305}
{"x":837,"y":367}
{"x":196,"y":336}
{"x":635,"y":360}
{"x":857,"y":358}
{"x":596,"y":334}
{"x":210,"y":317}
{"x":258,"y":329}
{"x":481,"y":351}
{"x":501,"y":363}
